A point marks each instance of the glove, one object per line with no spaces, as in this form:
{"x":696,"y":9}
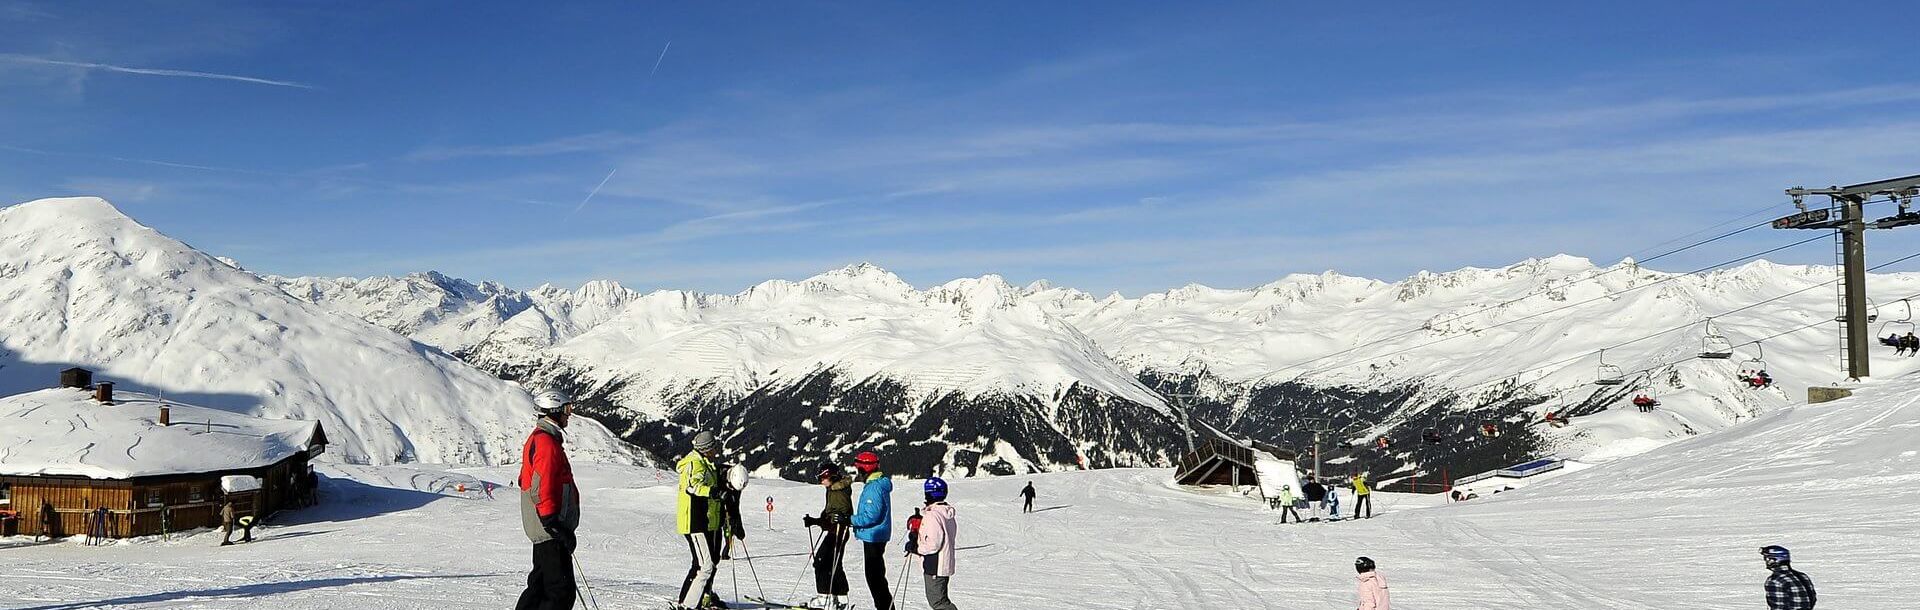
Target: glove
{"x":810,"y":521}
{"x":910,"y":545}
{"x":559,"y":532}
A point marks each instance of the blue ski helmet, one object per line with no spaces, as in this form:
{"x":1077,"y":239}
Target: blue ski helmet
{"x":1776,"y":554}
{"x":936,"y":488}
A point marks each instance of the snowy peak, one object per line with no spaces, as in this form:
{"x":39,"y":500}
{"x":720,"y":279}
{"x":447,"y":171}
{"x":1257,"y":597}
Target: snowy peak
{"x":83,"y":285}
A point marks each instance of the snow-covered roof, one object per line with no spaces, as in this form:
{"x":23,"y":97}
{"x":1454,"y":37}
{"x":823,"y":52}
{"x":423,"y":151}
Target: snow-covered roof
{"x":63,"y":431}
{"x":235,"y":483}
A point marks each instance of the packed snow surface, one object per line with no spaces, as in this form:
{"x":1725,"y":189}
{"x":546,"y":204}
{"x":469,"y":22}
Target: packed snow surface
{"x":83,"y":285}
{"x":63,"y":431}
{"x":1676,"y":527}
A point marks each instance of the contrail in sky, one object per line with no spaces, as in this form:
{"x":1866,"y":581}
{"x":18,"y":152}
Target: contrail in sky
{"x":29,"y":59}
{"x":663,"y":57}
{"x":596,"y":191}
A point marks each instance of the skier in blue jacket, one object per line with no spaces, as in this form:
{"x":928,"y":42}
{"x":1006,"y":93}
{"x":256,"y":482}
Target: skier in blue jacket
{"x":873,"y":525}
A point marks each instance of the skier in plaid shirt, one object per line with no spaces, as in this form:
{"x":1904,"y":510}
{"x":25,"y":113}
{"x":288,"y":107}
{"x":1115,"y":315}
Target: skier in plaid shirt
{"x":1787,"y":589}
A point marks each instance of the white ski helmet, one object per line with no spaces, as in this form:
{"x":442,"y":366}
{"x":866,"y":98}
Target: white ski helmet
{"x":737,"y":477}
{"x":551,"y":402}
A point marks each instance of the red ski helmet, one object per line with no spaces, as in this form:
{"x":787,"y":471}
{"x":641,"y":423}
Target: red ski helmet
{"x":867,"y":461}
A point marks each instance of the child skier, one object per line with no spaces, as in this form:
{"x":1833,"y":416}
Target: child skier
{"x":1373,"y":588}
{"x":1333,"y":502}
{"x":935,"y":544}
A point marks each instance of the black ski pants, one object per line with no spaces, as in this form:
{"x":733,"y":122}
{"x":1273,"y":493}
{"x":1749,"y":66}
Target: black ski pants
{"x":550,"y":584}
{"x":877,"y":575}
{"x":937,"y":597}
{"x":829,"y":575}
{"x":1290,"y":510}
{"x":1365,"y":501}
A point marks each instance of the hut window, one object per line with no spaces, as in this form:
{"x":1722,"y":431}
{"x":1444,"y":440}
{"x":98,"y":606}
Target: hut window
{"x":153,"y":497}
{"x":6,"y":494}
{"x":193,"y":493}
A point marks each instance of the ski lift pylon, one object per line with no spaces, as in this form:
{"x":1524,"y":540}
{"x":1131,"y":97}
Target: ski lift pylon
{"x":1714,"y":346}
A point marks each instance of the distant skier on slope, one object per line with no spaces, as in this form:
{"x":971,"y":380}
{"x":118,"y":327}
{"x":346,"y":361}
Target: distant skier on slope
{"x":873,"y":525}
{"x":1287,"y":501}
{"x":699,"y":517}
{"x":226,"y":522}
{"x":1333,"y":502}
{"x":829,"y":574}
{"x":549,"y":507}
{"x":1373,"y":588}
{"x":1362,"y":496}
{"x":935,"y":544}
{"x":1787,"y":588}
{"x":1316,"y":499}
{"x":1027,"y":494}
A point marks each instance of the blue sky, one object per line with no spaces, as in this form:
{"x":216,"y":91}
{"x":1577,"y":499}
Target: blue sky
{"x":1107,"y":146}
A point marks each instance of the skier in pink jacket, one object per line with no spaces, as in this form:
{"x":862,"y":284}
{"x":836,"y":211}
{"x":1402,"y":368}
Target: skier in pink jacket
{"x":1373,"y":588}
{"x":934,"y":543}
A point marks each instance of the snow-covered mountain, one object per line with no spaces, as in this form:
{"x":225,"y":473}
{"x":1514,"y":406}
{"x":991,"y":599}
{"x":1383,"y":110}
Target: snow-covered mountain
{"x":979,"y":372}
{"x":82,"y":284}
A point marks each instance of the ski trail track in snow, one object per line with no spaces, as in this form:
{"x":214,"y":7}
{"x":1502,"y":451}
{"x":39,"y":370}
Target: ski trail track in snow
{"x":1673,"y":528}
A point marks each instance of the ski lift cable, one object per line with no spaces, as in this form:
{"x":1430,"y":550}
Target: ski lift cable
{"x":1424,"y":327}
{"x":1661,"y":255}
{"x":1565,"y":361}
{"x":1567,"y":307}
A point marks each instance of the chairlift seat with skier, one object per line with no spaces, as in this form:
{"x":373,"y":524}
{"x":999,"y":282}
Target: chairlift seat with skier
{"x":1489,"y":430}
{"x":1432,"y":437}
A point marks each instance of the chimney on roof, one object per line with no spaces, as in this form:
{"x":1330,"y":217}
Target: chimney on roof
{"x":76,"y":377}
{"x":103,"y":392}
{"x":166,"y":416}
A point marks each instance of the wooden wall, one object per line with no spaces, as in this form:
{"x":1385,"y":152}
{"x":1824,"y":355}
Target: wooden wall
{"x":135,"y":504}
{"x":71,"y":497}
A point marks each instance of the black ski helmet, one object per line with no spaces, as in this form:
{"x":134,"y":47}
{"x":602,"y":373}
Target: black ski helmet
{"x":1363,"y":565}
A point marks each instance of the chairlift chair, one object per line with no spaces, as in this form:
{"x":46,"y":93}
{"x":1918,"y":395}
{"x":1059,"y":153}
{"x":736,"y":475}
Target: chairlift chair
{"x":1608,"y":374}
{"x":1755,"y":365}
{"x":1905,"y":322}
{"x":1873,"y":312}
{"x":1489,"y":430}
{"x":1714,"y":346}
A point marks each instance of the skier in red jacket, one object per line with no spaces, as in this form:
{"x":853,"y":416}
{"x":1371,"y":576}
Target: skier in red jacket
{"x":549,"y":507}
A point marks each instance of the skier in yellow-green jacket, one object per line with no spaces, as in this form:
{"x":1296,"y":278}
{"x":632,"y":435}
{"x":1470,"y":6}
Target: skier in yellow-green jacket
{"x":700,"y":518}
{"x":1363,"y":496}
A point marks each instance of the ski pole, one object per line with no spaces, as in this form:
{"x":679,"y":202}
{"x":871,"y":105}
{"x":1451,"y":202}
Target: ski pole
{"x":588,"y":586}
{"x":750,"y":570}
{"x":905,"y":575}
{"x":812,"y":543}
{"x":839,"y":568}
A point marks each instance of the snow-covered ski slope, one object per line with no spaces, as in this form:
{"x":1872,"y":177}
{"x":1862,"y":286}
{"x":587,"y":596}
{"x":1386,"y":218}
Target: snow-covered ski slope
{"x":1676,"y":527}
{"x":81,"y":284}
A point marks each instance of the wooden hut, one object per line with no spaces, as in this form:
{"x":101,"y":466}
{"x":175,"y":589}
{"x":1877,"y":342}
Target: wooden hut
{"x":83,"y":448}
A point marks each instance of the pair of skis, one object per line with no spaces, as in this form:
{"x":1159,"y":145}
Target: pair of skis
{"x":763,"y":603}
